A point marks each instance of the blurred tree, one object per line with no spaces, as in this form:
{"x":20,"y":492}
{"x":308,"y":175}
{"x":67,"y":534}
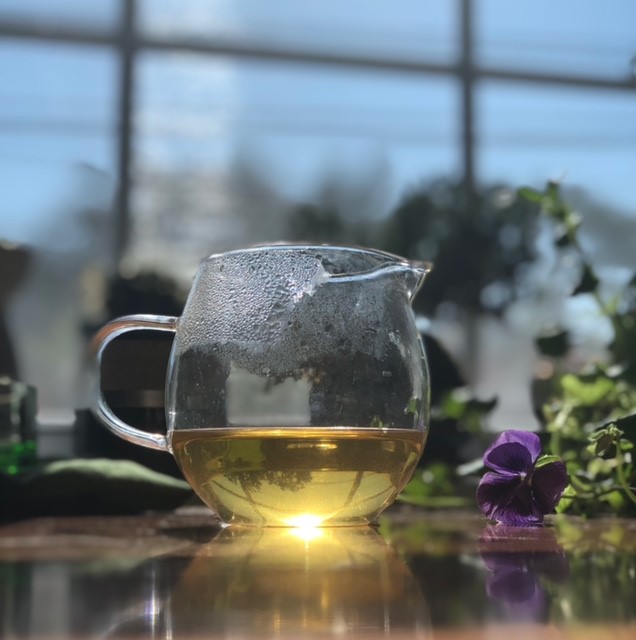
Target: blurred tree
{"x":479,"y":243}
{"x":318,"y":224}
{"x":345,"y":209}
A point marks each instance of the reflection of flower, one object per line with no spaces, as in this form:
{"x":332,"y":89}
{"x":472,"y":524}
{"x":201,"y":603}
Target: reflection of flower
{"x":518,"y":491}
{"x":517,"y":566}
{"x":512,"y":582}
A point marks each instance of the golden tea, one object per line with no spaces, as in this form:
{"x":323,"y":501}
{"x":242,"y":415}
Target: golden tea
{"x":297,"y":476}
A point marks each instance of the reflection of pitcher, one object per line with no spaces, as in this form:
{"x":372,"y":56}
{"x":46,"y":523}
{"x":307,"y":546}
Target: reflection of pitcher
{"x":297,"y":390}
{"x":290,"y":582}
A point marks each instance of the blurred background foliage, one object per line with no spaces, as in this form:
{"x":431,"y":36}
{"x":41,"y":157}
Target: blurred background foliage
{"x":479,"y":242}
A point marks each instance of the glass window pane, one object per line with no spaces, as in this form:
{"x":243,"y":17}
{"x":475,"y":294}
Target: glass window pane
{"x":57,"y":162}
{"x":56,"y":113}
{"x":414,"y":29}
{"x":226,"y":149}
{"x":579,"y":37}
{"x":529,"y":134}
{"x":102,"y":14}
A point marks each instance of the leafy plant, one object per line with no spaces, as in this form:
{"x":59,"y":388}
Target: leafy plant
{"x":590,"y":415}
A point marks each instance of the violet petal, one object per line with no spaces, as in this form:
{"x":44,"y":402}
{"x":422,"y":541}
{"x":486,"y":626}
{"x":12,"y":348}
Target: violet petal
{"x":548,"y":483}
{"x":526,"y":439}
{"x":494,"y":489}
{"x":509,"y":458}
{"x":519,"y":508}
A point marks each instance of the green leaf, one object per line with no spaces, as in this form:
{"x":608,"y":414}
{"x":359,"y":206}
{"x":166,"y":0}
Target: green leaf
{"x":627,"y":427}
{"x":566,"y":499}
{"x":589,"y":282}
{"x":554,"y":206}
{"x":616,"y":500}
{"x":547,"y":459}
{"x":98,"y":486}
{"x":452,"y":407}
{"x":553,"y":190}
{"x":603,"y":444}
{"x":461,"y":404}
{"x":483,"y":406}
{"x":605,"y":440}
{"x":586,"y":394}
{"x":554,"y":345}
{"x":530,"y":194}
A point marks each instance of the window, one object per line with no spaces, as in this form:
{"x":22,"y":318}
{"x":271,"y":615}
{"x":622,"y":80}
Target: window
{"x":242,"y":111}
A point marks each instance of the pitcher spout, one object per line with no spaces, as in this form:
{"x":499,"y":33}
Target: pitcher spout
{"x":415,"y":273}
{"x":408,"y":273}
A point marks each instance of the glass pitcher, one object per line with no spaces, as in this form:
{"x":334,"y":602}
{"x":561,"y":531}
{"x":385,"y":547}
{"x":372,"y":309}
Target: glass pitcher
{"x":297,"y":390}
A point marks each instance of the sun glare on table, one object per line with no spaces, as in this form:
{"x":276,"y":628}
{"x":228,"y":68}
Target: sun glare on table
{"x":306,"y":526}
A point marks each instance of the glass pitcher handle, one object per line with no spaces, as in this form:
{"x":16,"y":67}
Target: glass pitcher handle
{"x":104,"y":336}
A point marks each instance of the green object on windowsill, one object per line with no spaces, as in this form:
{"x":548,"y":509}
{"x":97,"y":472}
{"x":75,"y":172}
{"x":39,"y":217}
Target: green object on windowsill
{"x":18,"y":457}
{"x":17,"y":426}
{"x":90,"y":487}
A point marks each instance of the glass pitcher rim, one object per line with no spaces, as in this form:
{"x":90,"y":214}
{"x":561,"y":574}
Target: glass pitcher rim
{"x":391,"y":258}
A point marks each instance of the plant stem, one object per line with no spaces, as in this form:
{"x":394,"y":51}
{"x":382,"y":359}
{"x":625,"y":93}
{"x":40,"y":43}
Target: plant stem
{"x":595,"y":294}
{"x":558,"y":424}
{"x":620,"y":470}
{"x":578,"y":484}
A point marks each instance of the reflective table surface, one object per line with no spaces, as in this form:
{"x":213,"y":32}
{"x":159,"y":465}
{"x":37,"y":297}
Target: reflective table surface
{"x":420,"y":575}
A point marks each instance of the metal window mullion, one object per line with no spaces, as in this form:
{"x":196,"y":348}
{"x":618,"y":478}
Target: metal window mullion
{"x":80,"y":36}
{"x":467,"y":80}
{"x":126,"y":51}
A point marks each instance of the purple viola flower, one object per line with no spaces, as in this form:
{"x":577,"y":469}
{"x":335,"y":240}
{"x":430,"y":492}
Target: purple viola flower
{"x":516,"y":491}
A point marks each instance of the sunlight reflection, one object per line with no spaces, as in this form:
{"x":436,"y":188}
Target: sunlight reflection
{"x":293,"y":582}
{"x":306,"y":526}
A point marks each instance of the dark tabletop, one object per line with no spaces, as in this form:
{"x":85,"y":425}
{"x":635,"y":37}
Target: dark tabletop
{"x":420,"y":575}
